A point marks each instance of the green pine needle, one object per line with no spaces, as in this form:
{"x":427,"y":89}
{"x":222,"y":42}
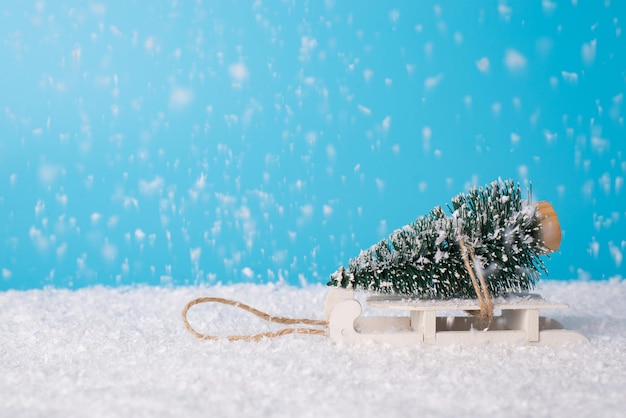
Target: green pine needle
{"x":424,"y":258}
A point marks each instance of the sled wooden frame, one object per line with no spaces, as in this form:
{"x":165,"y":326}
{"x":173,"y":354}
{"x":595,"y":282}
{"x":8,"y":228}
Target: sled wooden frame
{"x":518,"y":322}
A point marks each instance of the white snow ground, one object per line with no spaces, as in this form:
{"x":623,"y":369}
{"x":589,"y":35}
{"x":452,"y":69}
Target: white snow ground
{"x":103,"y":352}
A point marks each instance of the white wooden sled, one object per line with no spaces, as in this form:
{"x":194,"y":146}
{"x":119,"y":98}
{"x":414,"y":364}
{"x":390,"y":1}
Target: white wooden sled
{"x":518,"y":321}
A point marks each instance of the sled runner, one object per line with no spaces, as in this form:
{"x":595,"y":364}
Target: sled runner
{"x":518,"y":322}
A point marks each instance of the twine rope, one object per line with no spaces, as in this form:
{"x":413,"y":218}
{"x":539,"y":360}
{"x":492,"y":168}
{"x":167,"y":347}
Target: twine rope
{"x":480,"y":286}
{"x":260,"y":314}
{"x":467,"y":253}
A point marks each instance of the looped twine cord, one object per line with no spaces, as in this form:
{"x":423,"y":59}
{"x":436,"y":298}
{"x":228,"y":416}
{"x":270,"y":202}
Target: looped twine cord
{"x":481,"y":289}
{"x":262,"y":315}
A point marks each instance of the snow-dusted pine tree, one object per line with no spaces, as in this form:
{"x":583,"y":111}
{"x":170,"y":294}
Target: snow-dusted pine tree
{"x":490,"y":230}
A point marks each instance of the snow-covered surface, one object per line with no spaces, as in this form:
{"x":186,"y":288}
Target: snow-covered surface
{"x":124,"y":352}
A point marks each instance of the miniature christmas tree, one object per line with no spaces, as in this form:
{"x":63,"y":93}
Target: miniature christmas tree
{"x":490,"y":233}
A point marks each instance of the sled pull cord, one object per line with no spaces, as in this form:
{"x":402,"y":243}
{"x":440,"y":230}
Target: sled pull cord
{"x":262,"y":315}
{"x":482,"y":291}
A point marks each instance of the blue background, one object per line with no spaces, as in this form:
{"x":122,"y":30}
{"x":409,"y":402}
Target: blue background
{"x":186,"y":142}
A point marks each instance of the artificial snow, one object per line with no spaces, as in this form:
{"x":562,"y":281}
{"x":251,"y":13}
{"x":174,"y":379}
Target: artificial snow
{"x":102,"y":352}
